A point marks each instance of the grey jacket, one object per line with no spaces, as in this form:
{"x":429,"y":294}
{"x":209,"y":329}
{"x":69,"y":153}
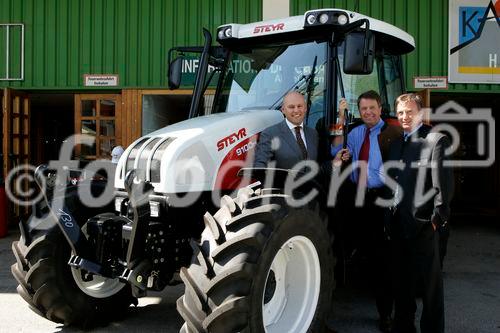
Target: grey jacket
{"x":278,"y":143}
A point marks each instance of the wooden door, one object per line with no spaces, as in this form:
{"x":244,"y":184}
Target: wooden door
{"x":425,"y":94}
{"x":16,"y":138}
{"x":16,"y":129}
{"x":98,"y":115}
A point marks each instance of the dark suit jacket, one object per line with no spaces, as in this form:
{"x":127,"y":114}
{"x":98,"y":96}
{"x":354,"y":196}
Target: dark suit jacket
{"x":287,"y":153}
{"x":388,"y":135}
{"x":423,"y":156}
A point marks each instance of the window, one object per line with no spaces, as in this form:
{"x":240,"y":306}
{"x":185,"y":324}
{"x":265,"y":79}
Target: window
{"x":159,"y":111}
{"x":393,"y":82}
{"x":161,"y":108}
{"x":96,"y":116}
{"x":259,"y":78}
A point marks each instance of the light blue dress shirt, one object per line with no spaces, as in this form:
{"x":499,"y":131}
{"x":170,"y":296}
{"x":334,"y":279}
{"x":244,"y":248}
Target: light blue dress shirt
{"x":375,"y":164}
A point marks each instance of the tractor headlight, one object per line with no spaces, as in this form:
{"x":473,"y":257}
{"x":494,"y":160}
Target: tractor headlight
{"x":318,"y":18}
{"x":225,"y":32}
{"x":323,"y":18}
{"x":311,"y":19}
{"x":342,"y":19}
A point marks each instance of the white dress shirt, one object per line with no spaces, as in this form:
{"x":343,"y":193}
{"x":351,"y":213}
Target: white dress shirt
{"x":406,"y":135}
{"x":292,"y":128}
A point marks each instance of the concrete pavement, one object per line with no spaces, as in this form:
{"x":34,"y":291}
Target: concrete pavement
{"x":471,"y":287}
{"x":472,"y":294}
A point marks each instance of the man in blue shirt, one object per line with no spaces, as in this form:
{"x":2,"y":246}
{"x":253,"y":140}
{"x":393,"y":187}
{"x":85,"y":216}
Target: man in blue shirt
{"x":368,"y":145}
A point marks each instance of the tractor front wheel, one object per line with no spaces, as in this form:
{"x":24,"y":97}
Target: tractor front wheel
{"x":56,"y":291}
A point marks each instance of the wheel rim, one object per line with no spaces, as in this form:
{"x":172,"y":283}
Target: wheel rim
{"x":99,"y":287}
{"x":292,"y":288}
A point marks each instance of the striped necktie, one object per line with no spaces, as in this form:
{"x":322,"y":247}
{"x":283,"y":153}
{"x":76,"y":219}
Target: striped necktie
{"x":300,"y":142}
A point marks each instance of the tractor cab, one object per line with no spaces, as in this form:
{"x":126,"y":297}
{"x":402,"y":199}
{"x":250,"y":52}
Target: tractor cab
{"x":325,"y":54}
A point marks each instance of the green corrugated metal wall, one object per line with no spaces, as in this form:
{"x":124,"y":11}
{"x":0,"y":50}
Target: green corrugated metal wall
{"x":425,"y":20}
{"x":65,"y":39}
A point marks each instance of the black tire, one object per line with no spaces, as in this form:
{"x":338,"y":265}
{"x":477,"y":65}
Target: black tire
{"x":46,"y":283}
{"x":226,"y":280}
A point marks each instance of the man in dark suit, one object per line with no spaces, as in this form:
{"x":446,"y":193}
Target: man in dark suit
{"x":288,"y":142}
{"x":420,"y":206}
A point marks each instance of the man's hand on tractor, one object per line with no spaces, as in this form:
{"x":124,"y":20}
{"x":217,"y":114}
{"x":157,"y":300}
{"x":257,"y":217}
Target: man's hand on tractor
{"x":342,"y":107}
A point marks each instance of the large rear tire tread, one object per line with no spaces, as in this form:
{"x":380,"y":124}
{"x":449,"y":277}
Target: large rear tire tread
{"x":224,"y":280}
{"x":47,"y":285}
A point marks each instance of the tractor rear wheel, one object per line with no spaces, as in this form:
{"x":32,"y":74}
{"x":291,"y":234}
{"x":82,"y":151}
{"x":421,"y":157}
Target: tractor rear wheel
{"x":261,"y":266}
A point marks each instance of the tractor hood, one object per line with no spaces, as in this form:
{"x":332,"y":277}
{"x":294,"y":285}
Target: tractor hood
{"x":196,"y":154}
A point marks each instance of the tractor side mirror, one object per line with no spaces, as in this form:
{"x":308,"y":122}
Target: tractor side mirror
{"x":359,"y":52}
{"x":175,"y":73}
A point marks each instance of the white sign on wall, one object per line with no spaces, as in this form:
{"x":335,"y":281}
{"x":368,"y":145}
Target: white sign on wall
{"x":474,"y":41}
{"x":430,"y":82}
{"x":100,"y":80}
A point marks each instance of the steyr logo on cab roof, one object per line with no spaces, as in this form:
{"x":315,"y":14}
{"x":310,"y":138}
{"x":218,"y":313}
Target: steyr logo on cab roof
{"x":268,"y":28}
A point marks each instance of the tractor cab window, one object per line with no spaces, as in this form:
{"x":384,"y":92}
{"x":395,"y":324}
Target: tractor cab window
{"x":393,"y":83}
{"x":259,"y":78}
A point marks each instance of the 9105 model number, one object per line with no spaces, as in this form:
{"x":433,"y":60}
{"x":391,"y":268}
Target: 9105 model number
{"x":245,"y":148}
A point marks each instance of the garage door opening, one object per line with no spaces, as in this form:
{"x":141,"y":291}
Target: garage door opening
{"x":52,"y":119}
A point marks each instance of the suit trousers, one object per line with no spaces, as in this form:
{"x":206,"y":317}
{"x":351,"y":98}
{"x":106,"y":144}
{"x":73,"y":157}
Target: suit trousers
{"x":416,"y":263}
{"x":375,"y":246}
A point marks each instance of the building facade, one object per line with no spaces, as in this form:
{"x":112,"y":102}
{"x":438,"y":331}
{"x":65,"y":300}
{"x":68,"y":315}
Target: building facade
{"x":99,"y":67}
